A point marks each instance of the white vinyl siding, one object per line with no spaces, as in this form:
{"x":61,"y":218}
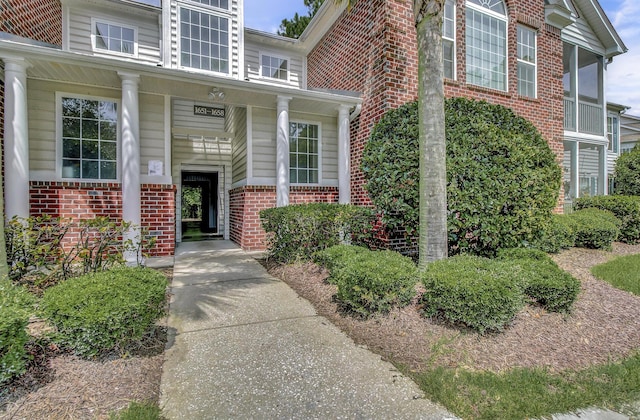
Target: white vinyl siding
{"x":581,"y":34}
{"x":152,"y":132}
{"x":253,"y":52}
{"x":238,"y":120}
{"x":81,"y":32}
{"x":527,"y":64}
{"x":264,"y":144}
{"x":184,"y":117}
{"x":486,"y":44}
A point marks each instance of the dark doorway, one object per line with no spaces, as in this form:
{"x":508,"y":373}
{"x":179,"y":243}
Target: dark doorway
{"x":199,"y":206}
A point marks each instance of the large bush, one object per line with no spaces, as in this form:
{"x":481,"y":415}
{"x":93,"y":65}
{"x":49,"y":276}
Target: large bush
{"x":482,"y":294}
{"x":625,"y":208}
{"x":502,"y":178}
{"x":15,"y":309}
{"x":595,"y":228}
{"x":100,"y":312}
{"x":627,"y":173}
{"x":296,"y":232}
{"x":371,"y":281}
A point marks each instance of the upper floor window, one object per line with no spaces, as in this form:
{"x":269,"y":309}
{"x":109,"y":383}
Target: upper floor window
{"x":613,"y":133}
{"x":89,"y":129}
{"x":526,"y":62}
{"x":486,"y":42}
{"x":222,"y":4}
{"x":114,"y":38}
{"x":304,"y":153}
{"x":204,"y":40}
{"x":274,"y":67}
{"x":449,"y":40}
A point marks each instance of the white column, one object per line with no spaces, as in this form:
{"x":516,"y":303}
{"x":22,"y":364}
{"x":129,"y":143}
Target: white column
{"x":16,"y":138}
{"x":344,"y":156}
{"x":130,"y":134}
{"x":282,"y":152}
{"x":575,"y":169}
{"x":603,"y":176}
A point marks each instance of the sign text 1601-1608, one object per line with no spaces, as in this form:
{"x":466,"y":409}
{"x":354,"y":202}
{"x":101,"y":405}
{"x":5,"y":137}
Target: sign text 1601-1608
{"x":208,"y":111}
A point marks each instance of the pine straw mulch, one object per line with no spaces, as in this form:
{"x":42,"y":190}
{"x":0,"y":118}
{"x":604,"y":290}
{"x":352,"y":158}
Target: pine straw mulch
{"x":603,"y":326}
{"x":58,"y":385}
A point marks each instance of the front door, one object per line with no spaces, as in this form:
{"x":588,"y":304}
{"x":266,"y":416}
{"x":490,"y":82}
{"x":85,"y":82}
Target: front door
{"x":199,"y":205}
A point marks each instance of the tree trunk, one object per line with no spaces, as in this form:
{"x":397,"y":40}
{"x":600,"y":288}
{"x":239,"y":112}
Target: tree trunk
{"x":432,"y":240}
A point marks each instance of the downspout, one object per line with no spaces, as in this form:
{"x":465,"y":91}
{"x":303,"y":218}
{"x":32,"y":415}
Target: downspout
{"x":356,"y":113}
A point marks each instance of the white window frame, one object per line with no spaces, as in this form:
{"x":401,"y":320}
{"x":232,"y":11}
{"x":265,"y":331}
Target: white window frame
{"x":94,"y":36}
{"x":59,"y":146}
{"x":197,"y":2}
{"x":533,"y":64}
{"x":613,"y":137}
{"x":449,"y":39}
{"x":319,"y":125}
{"x":278,"y":56}
{"x":212,"y":11}
{"x":503,"y":18}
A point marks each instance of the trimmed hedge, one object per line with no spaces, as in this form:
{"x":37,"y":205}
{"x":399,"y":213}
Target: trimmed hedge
{"x":104,"y":311}
{"x":625,"y":208}
{"x":502,"y":177}
{"x":337,"y":256}
{"x":296,"y":232}
{"x":554,"y":289}
{"x":483,"y":294}
{"x":595,"y":228}
{"x":16,"y":305}
{"x":558,"y":235}
{"x":372,"y":281}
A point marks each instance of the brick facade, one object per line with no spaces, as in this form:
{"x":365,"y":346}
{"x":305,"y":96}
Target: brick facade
{"x":73,"y":200}
{"x":40,"y":20}
{"x":372,"y":49}
{"x":246,"y":203}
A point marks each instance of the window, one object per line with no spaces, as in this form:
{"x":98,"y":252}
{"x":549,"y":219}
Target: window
{"x":114,"y":38}
{"x":613,"y":133}
{"x":204,"y":40}
{"x":89,"y":138}
{"x":449,"y":40}
{"x":274,"y":67}
{"x":486,"y":39}
{"x":304,"y":153}
{"x":526,"y":62}
{"x":222,"y":4}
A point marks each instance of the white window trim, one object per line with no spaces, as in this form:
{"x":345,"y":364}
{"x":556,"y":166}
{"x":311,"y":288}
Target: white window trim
{"x":273,"y":55}
{"x":505,"y":19}
{"x":206,"y":6}
{"x":319,"y":124}
{"x":97,"y":50}
{"x":455,"y":47}
{"x":58,"y":168}
{"x":203,"y":8}
{"x":611,"y":146}
{"x":534,"y":64}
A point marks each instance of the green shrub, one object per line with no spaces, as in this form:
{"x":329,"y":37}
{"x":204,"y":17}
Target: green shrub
{"x":595,"y":228}
{"x":554,"y":289}
{"x":483,"y":294}
{"x":502,"y":178}
{"x":559,"y":234}
{"x":627,"y":173}
{"x":16,"y":305}
{"x":100,"y":312}
{"x":373,"y":281}
{"x":296,"y":232}
{"x":625,"y":208}
{"x":337,"y":255}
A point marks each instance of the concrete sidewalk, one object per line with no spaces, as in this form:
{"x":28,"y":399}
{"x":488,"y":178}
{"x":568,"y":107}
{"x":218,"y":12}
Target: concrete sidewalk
{"x":243,"y":345}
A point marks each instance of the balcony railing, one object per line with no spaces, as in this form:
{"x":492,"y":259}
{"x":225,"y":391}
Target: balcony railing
{"x":590,"y":117}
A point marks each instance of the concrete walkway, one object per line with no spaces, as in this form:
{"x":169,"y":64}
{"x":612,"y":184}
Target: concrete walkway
{"x":243,"y":345}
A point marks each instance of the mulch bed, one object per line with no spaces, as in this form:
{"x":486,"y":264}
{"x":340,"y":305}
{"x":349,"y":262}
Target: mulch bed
{"x":604,"y":324}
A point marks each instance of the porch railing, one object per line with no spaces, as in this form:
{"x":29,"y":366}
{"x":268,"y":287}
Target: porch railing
{"x":590,"y":117}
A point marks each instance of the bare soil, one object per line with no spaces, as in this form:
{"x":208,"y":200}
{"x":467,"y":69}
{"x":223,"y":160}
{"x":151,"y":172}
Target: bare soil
{"x":604,"y":324}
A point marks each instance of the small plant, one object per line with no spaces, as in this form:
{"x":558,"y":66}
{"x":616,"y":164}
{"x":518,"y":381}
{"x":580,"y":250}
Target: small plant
{"x":296,"y":232}
{"x":622,"y":272}
{"x":595,"y":228}
{"x":16,"y":305}
{"x":104,"y":311}
{"x":373,"y":281}
{"x":482,"y":294}
{"x":625,"y":208}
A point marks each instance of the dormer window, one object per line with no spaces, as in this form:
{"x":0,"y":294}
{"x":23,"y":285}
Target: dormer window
{"x":204,"y":38}
{"x":274,"y":67}
{"x":114,"y":38}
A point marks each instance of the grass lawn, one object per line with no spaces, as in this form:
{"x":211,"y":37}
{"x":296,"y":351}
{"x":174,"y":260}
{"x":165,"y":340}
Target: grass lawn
{"x":622,"y":272}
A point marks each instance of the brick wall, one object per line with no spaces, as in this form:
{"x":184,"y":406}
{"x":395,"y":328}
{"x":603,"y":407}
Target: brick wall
{"x":72,"y":200}
{"x":40,"y":20}
{"x":246,"y":203}
{"x":372,"y":49}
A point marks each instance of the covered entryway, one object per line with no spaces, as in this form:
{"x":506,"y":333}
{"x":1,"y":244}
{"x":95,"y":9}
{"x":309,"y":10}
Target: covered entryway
{"x":200,"y":214}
